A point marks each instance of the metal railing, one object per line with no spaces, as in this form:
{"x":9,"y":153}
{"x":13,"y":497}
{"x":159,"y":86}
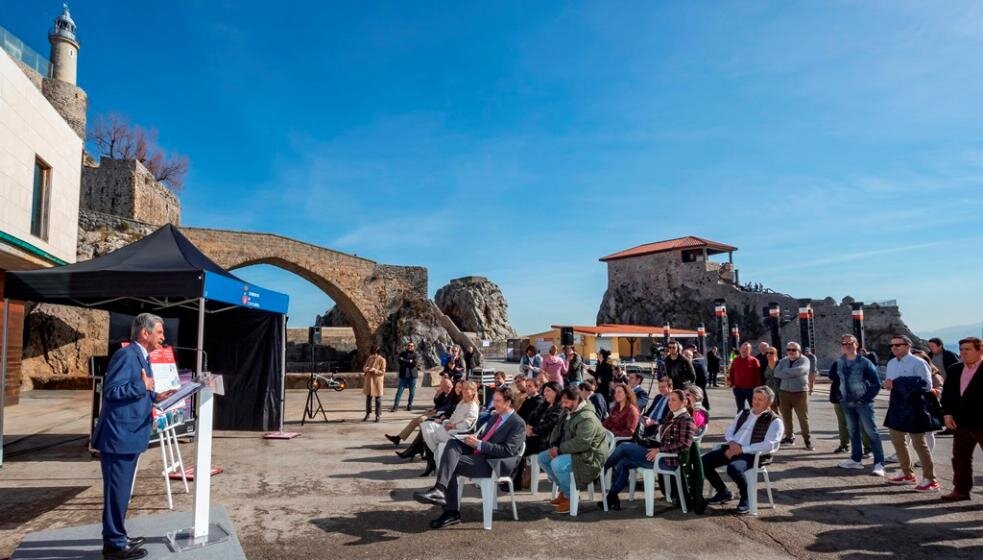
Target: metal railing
{"x":23,"y":53}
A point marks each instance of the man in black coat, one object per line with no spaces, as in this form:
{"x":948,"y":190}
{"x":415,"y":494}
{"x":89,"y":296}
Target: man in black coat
{"x":494,"y":451}
{"x":409,"y":365}
{"x":678,"y":368}
{"x":962,"y":409}
{"x":942,"y":358}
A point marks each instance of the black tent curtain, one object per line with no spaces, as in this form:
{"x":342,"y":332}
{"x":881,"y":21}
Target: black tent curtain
{"x":242,"y":345}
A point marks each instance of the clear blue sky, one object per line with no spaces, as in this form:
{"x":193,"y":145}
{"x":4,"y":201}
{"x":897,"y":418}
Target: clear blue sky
{"x":838,"y":145}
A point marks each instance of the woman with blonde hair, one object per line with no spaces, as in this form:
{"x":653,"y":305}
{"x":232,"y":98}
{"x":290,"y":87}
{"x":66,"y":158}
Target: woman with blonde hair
{"x":555,"y":366}
{"x":374,"y":371}
{"x":461,"y":421}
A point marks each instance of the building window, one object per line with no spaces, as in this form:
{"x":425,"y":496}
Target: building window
{"x":41,"y":200}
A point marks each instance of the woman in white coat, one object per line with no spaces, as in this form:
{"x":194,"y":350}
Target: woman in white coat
{"x":463,"y":420}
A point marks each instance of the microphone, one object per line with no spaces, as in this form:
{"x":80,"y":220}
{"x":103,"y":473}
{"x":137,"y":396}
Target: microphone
{"x":204,"y":355}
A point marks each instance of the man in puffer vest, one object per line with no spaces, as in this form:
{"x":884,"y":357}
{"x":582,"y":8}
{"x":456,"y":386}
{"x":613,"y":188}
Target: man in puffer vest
{"x":752,"y":431}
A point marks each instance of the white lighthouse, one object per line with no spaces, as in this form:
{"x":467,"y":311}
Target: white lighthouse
{"x":64,"y":48}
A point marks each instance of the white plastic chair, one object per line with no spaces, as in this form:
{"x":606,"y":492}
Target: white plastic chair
{"x":575,"y":494}
{"x":751,"y":476}
{"x":648,"y":480}
{"x":489,"y":493}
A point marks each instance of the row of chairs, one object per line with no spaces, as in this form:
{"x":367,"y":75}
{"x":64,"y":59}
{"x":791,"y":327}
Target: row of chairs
{"x":489,"y":487}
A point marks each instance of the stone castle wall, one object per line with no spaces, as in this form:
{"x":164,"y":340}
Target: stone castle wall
{"x":653,"y":289}
{"x":125,"y":188}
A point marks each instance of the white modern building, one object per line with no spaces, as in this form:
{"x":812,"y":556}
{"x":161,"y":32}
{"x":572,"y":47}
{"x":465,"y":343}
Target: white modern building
{"x":40,"y":165}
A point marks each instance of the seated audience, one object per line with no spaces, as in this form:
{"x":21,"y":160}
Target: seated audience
{"x":587,"y":390}
{"x":533,"y":399}
{"x":623,"y":417}
{"x":461,"y":421}
{"x":493,"y":450}
{"x":641,"y":395}
{"x":752,"y":431}
{"x":578,"y":444}
{"x":441,"y":400}
{"x":675,"y":435}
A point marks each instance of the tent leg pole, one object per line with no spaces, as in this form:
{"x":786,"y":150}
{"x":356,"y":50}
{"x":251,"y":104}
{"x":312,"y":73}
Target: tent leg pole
{"x":201,"y":336}
{"x":3,"y":369}
{"x":283,"y":373}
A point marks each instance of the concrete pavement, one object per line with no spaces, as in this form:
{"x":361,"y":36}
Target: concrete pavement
{"x":339,"y":490}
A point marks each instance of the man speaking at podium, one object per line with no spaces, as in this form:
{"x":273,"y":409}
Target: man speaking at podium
{"x":123,"y":430}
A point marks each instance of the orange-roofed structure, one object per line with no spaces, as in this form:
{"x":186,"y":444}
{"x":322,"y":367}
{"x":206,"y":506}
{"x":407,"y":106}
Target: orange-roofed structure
{"x":688,"y":245}
{"x":623,"y":341}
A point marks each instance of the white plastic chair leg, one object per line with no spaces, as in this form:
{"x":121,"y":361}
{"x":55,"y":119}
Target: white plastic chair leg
{"x":488,"y":498}
{"x":632,"y":481}
{"x":751,"y":476}
{"x":574,"y":496}
{"x":648,"y":486}
{"x":679,"y":486}
{"x":771,"y":502}
{"x":534,"y":474}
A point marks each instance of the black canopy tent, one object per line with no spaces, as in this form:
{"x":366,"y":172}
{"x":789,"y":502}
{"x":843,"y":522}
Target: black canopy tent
{"x":165,"y":274}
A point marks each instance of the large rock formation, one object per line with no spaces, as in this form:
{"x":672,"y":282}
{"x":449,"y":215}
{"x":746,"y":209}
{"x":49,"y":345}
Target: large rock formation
{"x":418,"y":321}
{"x":61,"y":339}
{"x":332,"y":318}
{"x":655,"y":289}
{"x":477,"y":305}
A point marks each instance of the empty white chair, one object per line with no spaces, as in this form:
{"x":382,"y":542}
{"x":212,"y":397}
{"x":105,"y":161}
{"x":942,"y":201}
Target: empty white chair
{"x":489,"y":493}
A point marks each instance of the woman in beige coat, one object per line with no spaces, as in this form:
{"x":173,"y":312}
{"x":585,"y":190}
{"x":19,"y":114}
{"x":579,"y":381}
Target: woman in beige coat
{"x":375,"y":375}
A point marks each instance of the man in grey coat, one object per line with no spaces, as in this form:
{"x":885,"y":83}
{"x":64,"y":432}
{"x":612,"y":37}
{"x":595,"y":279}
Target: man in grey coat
{"x":793,"y":371}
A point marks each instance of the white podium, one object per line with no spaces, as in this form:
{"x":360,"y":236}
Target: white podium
{"x":202,"y":533}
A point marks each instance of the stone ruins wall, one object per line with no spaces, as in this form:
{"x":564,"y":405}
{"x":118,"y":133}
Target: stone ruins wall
{"x":653,"y":289}
{"x":70,"y":102}
{"x":125,"y":188}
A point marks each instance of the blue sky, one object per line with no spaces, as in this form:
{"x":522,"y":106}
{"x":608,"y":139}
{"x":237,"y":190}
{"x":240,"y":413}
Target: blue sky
{"x":838,"y":145}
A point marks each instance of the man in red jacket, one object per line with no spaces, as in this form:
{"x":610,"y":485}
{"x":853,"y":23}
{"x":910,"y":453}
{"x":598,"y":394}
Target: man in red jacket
{"x":744,"y":376}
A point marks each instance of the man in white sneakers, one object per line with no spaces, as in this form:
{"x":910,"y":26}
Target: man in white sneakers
{"x":855,"y":385}
{"x":908,"y":415}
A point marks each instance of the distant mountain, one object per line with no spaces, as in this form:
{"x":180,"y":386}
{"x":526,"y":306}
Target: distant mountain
{"x":951,"y":335}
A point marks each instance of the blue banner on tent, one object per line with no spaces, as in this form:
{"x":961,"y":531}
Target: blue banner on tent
{"x":229,"y":290}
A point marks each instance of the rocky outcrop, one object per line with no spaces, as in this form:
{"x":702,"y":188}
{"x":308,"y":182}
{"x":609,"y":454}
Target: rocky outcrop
{"x":418,"y":321}
{"x":332,"y":318}
{"x":60,"y":342}
{"x":61,"y":339}
{"x":477,"y":305}
{"x":658,"y":291}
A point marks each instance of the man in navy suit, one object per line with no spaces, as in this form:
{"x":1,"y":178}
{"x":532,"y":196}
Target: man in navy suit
{"x":493,"y":451}
{"x":123,"y":431}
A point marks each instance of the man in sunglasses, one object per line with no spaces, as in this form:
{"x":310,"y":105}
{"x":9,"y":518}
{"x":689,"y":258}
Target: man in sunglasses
{"x":793,"y":371}
{"x":855,"y":385}
{"x":909,"y":379}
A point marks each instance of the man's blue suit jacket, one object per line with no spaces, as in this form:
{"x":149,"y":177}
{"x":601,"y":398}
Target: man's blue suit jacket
{"x":124,"y":419}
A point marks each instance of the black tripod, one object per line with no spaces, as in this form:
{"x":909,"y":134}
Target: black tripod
{"x":313,"y":384}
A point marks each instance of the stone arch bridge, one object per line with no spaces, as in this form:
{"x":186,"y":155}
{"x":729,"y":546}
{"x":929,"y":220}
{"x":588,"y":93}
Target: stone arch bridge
{"x":365,"y":291}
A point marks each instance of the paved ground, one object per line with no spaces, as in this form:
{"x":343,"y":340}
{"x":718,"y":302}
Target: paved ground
{"x":340,"y":491}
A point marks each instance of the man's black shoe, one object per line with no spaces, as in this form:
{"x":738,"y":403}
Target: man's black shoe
{"x":394,"y":439}
{"x":126,"y":553}
{"x":446,"y":519}
{"x":431,"y":496}
{"x":842,"y":449}
{"x":720,"y":498}
{"x":135,"y":541}
{"x":743,"y":508}
{"x":409,"y":407}
{"x":614,"y":502}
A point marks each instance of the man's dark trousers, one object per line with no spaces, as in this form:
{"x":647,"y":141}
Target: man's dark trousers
{"x":735,"y":468}
{"x":459,"y":460}
{"x":117,"y":483}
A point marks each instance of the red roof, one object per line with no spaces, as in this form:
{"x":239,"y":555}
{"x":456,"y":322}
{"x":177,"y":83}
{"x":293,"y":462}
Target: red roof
{"x":678,"y":244}
{"x":625,"y":330}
